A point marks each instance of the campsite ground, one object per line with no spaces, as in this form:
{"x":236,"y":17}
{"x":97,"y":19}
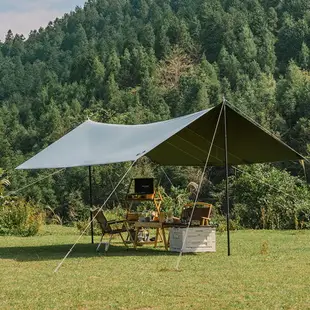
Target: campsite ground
{"x":267,"y":270}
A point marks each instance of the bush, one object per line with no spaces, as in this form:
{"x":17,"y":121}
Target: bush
{"x":266,"y":197}
{"x":81,"y":226}
{"x":221,"y":223}
{"x":19,"y":217}
{"x":175,"y":201}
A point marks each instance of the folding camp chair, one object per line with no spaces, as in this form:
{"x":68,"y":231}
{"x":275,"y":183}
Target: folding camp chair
{"x":112,"y":228}
{"x":201,"y":215}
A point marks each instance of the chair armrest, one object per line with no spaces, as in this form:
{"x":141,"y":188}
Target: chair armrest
{"x":116,"y":221}
{"x":205,"y":220}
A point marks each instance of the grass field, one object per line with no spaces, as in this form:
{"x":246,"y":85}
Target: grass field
{"x":267,"y":270}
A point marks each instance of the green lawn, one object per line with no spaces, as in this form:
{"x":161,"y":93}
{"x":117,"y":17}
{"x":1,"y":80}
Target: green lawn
{"x":267,"y":270}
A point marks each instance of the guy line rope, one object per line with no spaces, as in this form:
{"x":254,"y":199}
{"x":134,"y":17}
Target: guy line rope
{"x":199,"y":187}
{"x":35,"y":182}
{"x":100,"y":209}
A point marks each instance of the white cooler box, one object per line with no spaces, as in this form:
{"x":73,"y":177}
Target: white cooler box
{"x":199,"y":239}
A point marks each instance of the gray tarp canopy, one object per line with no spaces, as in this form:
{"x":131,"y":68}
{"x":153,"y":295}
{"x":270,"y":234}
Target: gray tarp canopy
{"x":183,"y":141}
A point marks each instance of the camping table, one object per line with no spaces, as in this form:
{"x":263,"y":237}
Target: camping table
{"x":158,"y":226}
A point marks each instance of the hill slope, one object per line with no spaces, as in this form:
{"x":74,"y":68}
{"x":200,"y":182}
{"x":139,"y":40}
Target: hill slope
{"x":135,"y":61}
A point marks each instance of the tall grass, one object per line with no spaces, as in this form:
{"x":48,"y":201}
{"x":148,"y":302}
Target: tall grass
{"x":19,"y":217}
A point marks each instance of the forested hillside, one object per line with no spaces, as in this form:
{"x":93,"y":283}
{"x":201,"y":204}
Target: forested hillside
{"x":139,"y":61}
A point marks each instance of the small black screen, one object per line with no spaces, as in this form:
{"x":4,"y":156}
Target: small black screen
{"x":144,"y":186}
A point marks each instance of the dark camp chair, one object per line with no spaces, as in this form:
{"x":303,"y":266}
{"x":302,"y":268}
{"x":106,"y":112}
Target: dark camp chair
{"x":202,"y":213}
{"x":112,"y":228}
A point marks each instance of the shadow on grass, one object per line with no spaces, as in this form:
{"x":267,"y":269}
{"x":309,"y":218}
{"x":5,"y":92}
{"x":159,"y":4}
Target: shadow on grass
{"x":57,"y":252}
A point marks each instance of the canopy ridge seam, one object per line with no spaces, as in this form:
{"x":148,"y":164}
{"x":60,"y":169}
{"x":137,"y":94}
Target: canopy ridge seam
{"x":178,"y":148}
{"x":198,"y":148}
{"x":218,"y":147}
{"x":250,"y":119}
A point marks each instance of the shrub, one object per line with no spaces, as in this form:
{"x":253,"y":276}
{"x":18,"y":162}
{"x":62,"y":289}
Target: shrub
{"x":175,"y":201}
{"x":81,"y":225}
{"x":221,"y":223}
{"x":19,"y":217}
{"x":266,"y":197}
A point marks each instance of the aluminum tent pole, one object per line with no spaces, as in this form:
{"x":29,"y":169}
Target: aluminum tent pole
{"x":226,"y":173}
{"x":91,"y":204}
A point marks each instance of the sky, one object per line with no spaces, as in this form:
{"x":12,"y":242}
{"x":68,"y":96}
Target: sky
{"x":21,"y":16}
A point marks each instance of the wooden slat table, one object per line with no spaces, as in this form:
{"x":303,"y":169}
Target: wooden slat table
{"x":157,"y":225}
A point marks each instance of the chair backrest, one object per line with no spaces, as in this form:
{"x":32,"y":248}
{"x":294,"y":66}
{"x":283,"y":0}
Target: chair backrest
{"x":102,"y":220}
{"x":202,"y":209}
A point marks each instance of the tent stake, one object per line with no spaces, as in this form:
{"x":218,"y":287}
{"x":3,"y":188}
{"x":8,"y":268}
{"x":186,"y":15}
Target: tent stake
{"x":91,"y":204}
{"x":226,"y":172}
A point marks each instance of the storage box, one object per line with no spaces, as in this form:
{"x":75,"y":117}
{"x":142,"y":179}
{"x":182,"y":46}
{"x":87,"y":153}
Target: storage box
{"x":199,"y":239}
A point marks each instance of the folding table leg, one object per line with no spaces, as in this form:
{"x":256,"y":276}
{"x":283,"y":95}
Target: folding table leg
{"x":164,"y":237}
{"x":136,"y":238}
{"x":129,"y":235}
{"x":123,"y":240}
{"x":156,"y":237}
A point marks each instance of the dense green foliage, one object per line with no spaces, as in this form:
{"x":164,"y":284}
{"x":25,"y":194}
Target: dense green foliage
{"x":265,"y":197}
{"x":17,"y":216}
{"x":137,"y":61}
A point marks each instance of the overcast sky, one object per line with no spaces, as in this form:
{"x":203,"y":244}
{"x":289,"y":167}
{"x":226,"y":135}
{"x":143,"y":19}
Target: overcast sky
{"x":21,"y":16}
